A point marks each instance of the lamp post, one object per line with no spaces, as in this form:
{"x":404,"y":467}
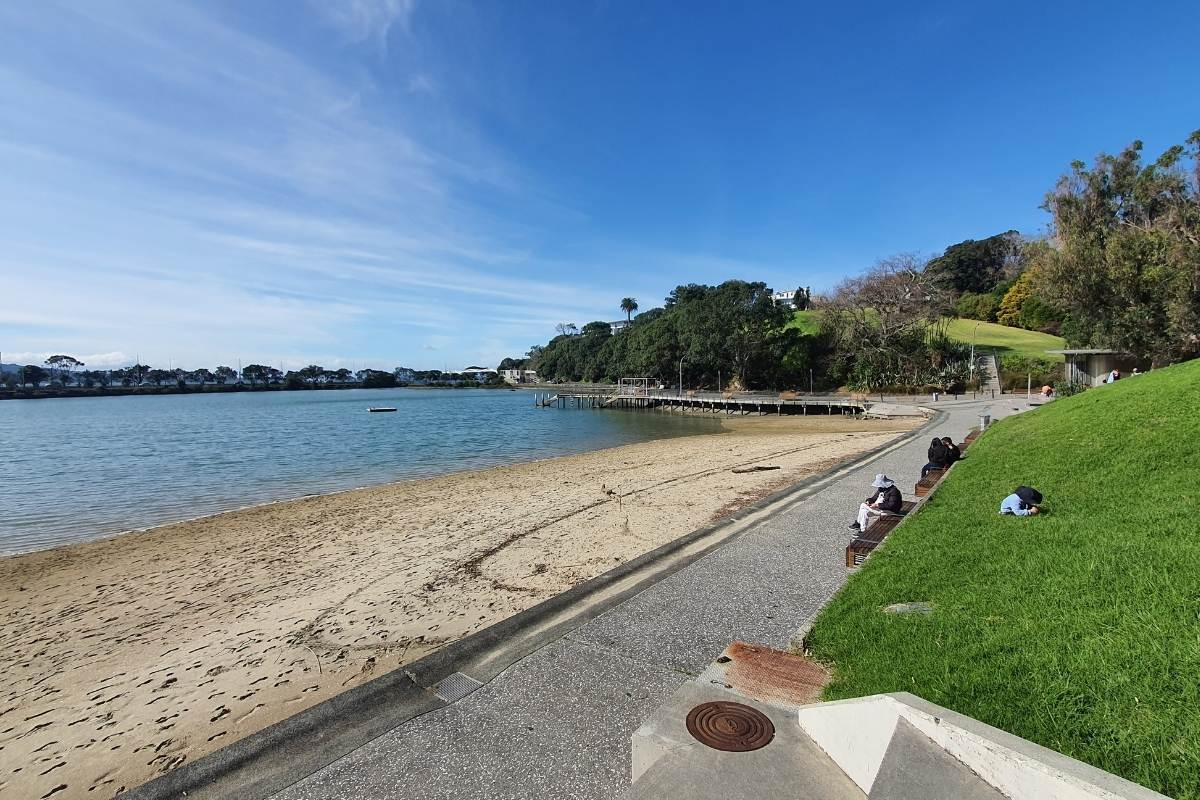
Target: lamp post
{"x":681,"y":375}
{"x":973,"y":333}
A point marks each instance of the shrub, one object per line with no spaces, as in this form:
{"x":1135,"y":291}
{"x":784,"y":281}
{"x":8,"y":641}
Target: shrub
{"x":977,"y":306}
{"x":1016,"y":372}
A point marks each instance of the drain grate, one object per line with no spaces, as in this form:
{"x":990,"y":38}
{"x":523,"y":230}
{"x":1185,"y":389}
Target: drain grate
{"x":733,"y":727}
{"x":456,"y":686}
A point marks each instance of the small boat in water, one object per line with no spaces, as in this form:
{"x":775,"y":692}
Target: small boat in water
{"x":380,"y":409}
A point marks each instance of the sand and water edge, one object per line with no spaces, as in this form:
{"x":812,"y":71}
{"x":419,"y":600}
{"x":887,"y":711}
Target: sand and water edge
{"x":122,"y":658}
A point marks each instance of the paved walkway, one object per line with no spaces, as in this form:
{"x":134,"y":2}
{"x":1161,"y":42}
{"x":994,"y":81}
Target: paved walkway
{"x":558,"y":723}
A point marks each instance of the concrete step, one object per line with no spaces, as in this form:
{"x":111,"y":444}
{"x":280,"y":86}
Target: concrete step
{"x":670,"y":764}
{"x":914,"y":768}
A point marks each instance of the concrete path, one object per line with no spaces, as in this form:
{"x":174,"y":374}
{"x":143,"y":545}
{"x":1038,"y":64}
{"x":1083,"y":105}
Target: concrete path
{"x":558,"y":722}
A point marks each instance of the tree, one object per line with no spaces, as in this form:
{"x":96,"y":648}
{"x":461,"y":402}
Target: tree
{"x":312,"y":373}
{"x":888,"y":327}
{"x":629,"y":305}
{"x":977,"y":266}
{"x":1014,"y":299}
{"x":1125,"y":267}
{"x":566,"y":329}
{"x":157,"y":376}
{"x":341,"y":375}
{"x":802,"y":299}
{"x":223,"y":375}
{"x":255,"y":373}
{"x":202,"y":376}
{"x":377,"y":379}
{"x":136,"y":374}
{"x":972,"y":305}
{"x":33,"y":374}
{"x":63,"y":366}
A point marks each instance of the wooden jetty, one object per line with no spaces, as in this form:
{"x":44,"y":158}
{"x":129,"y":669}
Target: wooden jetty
{"x":728,"y":403}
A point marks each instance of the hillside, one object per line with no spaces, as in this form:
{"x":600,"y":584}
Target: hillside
{"x":1001,"y":339}
{"x":1077,"y":629}
{"x":1005,"y":340}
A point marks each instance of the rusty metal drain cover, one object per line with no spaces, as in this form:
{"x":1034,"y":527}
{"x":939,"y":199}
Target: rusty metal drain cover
{"x":730,"y":726}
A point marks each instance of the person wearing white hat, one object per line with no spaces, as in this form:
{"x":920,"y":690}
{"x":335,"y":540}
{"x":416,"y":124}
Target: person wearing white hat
{"x":886,"y":499}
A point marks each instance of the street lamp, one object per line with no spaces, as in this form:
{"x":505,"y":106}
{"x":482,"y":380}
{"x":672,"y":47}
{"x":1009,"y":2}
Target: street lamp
{"x":681,"y":375}
{"x":973,"y":333}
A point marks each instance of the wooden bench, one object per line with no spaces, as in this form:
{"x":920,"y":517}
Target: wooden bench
{"x":926,"y":484}
{"x":877,"y":530}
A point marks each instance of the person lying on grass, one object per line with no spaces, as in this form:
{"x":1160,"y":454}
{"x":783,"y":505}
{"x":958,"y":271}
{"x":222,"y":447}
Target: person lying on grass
{"x":886,"y":499}
{"x":1024,"y":502}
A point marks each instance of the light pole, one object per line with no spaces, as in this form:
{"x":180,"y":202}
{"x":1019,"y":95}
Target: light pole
{"x":681,"y":375}
{"x":973,"y":333}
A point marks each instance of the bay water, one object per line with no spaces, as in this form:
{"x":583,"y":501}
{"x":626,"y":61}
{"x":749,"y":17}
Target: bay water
{"x":77,"y":469}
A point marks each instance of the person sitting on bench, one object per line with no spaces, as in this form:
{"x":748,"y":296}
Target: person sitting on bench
{"x":952,"y":450}
{"x":886,"y":499}
{"x":939,"y":457}
{"x":1024,"y":502}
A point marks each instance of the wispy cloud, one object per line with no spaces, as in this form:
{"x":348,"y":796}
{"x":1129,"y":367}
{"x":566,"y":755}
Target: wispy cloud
{"x":181,"y":185}
{"x":365,"y":20}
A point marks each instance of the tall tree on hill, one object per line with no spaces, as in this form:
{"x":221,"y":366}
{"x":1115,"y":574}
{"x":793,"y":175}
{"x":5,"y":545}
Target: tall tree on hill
{"x":223,"y":375}
{"x":1125,"y":270}
{"x":63,"y":366}
{"x":888,"y":325}
{"x":629,"y":305}
{"x":978,"y":265}
{"x":802,"y":300}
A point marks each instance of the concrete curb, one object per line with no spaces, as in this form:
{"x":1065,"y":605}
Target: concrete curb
{"x":282,"y":754}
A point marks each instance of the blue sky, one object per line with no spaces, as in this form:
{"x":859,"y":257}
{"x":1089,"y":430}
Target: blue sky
{"x":384,"y":182}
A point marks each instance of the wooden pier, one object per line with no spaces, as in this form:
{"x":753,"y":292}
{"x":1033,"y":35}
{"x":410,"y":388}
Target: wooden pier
{"x":730,"y":404}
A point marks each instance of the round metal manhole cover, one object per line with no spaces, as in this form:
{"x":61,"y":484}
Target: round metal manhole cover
{"x":730,"y":726}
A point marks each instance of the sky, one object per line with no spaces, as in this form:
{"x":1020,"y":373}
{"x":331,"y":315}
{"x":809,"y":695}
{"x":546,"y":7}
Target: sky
{"x":434,"y":183}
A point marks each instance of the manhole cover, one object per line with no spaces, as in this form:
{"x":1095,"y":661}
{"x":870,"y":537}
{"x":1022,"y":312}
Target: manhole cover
{"x":730,"y":726}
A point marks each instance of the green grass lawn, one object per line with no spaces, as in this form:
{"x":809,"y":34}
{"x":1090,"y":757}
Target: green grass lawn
{"x":1000,"y":338}
{"x":807,"y":321}
{"x":1005,"y":340}
{"x":1079,"y":629}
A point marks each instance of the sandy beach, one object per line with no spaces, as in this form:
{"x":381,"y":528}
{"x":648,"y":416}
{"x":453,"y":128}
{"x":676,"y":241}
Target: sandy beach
{"x":122,"y":659}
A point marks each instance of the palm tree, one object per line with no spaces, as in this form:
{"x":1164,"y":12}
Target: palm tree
{"x":629,"y":305}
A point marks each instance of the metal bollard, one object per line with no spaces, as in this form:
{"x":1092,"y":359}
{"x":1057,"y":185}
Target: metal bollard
{"x":984,"y":421}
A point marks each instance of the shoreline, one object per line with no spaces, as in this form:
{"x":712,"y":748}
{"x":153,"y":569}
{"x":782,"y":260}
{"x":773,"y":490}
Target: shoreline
{"x":104,"y":537}
{"x":130,"y":655}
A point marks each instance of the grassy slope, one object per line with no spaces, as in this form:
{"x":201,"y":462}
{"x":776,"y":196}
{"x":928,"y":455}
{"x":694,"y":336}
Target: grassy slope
{"x":1080,"y":629}
{"x":1001,"y":338}
{"x":806,"y":321}
{"x":1006,"y":340}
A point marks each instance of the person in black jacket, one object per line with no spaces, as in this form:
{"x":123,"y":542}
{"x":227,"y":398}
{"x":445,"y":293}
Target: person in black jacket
{"x":952,"y":449}
{"x":886,"y":499}
{"x":939,"y":457}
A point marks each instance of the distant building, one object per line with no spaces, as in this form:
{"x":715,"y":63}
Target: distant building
{"x":480,"y":374}
{"x":619,"y":325}
{"x":784,"y":298}
{"x":519,"y":376}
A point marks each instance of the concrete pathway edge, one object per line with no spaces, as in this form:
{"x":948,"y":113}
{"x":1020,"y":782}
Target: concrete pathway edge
{"x":282,"y":754}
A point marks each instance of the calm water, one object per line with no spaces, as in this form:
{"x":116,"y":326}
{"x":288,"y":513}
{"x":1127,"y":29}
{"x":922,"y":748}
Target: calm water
{"x":77,"y":469}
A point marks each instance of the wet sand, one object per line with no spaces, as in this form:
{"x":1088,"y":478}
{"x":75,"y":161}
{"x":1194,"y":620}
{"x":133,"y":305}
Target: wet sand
{"x":122,"y":659}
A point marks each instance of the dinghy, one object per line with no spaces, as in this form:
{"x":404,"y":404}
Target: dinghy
{"x":380,"y":409}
